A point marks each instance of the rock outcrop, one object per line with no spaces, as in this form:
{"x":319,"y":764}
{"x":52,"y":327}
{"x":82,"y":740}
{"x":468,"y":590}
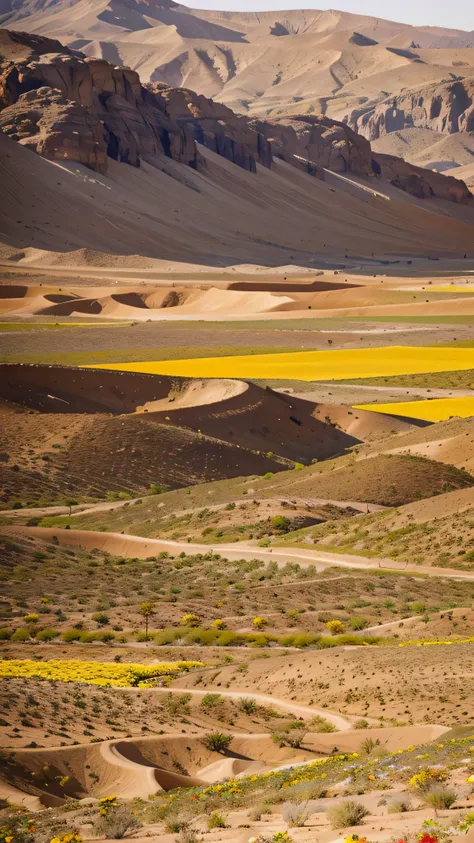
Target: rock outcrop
{"x":446,"y":107}
{"x":321,"y":142}
{"x":67,"y":106}
{"x":424,"y":184}
{"x":56,"y":128}
{"x":136,"y":120}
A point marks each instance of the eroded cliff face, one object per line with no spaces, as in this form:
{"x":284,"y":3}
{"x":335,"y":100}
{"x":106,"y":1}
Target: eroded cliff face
{"x":136,"y":120}
{"x":320,"y":142}
{"x":446,"y":108}
{"x":66,"y":106}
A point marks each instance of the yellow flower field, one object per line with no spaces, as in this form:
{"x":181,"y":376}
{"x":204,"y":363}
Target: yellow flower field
{"x":313,"y":365}
{"x":108,"y":674}
{"x":437,"y":409}
{"x":453,"y":288}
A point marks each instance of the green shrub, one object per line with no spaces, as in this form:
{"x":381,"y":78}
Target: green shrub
{"x":217,"y":741}
{"x":248,"y":705}
{"x":440,"y":798}
{"x":21,"y":635}
{"x":281,"y":523}
{"x":346,"y":814}
{"x":399,"y":806}
{"x":211,"y":700}
{"x":71,"y":635}
{"x":100,"y":618}
{"x":47,"y":635}
{"x":5,"y":634}
{"x":358,"y":623}
{"x":320,"y":724}
{"x":217,"y":820}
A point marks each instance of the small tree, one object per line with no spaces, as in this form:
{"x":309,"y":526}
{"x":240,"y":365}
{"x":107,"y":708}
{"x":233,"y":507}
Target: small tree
{"x":70,"y":502}
{"x":146,"y":610}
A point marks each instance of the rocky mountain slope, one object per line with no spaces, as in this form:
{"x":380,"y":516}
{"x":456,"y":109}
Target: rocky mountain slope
{"x":70,"y":107}
{"x":375,"y":74}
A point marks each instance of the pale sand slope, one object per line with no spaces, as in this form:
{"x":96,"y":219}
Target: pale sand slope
{"x":449,"y":154}
{"x":465,"y":172}
{"x":222,"y":216}
{"x":325,"y":60}
{"x":451,"y":442}
{"x":120,"y":544}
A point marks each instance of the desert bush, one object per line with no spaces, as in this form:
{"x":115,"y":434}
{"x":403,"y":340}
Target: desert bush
{"x":361,"y":724}
{"x":217,"y":820}
{"x":248,"y":705}
{"x":176,"y":704}
{"x":291,"y":737}
{"x":358,"y":623}
{"x":188,"y":834}
{"x":31,"y":617}
{"x":369,"y":745}
{"x":211,"y":700}
{"x":71,"y":635}
{"x":259,"y":623}
{"x":335,"y":627}
{"x":117,"y":822}
{"x":217,"y":741}
{"x":295,"y":815}
{"x":47,"y":635}
{"x":320,"y":724}
{"x":346,"y":814}
{"x":280,"y":523}
{"x":20,"y":635}
{"x":100,"y":618}
{"x":440,"y":798}
{"x":5,"y":634}
{"x":399,"y":806}
{"x":190,"y":619}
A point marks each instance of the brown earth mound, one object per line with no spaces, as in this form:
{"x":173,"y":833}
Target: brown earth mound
{"x":185,"y":432}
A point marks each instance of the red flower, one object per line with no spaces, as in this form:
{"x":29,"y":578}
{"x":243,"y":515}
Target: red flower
{"x":428,"y":838}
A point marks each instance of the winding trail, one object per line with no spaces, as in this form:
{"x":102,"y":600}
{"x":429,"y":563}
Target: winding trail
{"x":123,"y":544}
{"x":306,"y":711}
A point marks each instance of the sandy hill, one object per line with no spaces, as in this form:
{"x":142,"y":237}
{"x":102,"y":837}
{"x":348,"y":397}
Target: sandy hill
{"x":437,"y":531}
{"x":451,"y":442}
{"x":166,"y":431}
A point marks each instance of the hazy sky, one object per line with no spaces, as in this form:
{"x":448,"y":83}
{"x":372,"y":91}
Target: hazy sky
{"x":456,"y":14}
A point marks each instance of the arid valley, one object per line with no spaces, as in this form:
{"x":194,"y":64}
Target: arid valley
{"x":237,"y":424}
